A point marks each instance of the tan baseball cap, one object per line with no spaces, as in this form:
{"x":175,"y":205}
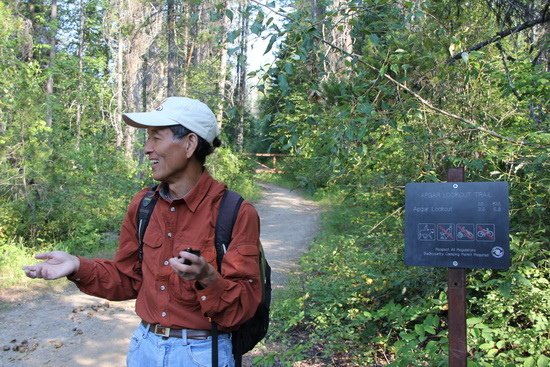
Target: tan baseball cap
{"x":190,"y":113}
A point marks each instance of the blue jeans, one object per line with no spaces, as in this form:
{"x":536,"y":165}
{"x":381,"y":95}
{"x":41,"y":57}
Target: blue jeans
{"x":149,"y":350}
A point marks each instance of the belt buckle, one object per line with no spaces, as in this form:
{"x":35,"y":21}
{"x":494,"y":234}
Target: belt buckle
{"x":161,"y":330}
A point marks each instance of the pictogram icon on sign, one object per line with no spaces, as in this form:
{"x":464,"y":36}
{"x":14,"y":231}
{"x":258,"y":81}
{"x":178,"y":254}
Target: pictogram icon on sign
{"x":465,"y":232}
{"x":445,"y":232}
{"x":497,"y":252}
{"x":485,"y":232}
{"x":426,"y":231}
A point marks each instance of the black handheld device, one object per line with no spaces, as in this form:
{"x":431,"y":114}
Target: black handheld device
{"x":194,"y":252}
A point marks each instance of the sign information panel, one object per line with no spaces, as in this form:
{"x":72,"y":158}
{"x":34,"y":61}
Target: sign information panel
{"x":457,"y":225}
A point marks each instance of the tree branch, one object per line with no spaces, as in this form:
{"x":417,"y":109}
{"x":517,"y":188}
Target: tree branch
{"x":423,"y":101}
{"x":427,"y":103}
{"x":500,"y":35}
{"x":507,"y":71}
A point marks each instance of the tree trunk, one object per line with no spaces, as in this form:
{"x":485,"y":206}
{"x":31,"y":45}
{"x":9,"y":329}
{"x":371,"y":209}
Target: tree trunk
{"x":223,"y":63}
{"x":51,"y":60}
{"x":117,"y":123}
{"x":80,"y":72}
{"x":144,"y":97}
{"x":172,"y":51}
{"x":340,"y":36}
{"x":117,"y":46}
{"x":146,"y":25}
{"x":318,"y":10}
{"x":241,"y":74}
{"x":185,"y":55}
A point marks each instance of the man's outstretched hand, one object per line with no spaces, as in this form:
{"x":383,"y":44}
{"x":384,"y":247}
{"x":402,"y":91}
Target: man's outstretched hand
{"x":56,"y":264}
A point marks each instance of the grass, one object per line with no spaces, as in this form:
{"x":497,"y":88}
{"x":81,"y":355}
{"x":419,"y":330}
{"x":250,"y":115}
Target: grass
{"x":14,"y":255}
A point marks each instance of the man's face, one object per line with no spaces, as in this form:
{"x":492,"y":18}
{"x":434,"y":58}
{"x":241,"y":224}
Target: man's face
{"x":168,"y":155}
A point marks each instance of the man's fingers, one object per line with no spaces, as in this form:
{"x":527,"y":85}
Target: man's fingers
{"x":184,"y":271}
{"x":44,"y":255}
{"x":31,"y":272}
{"x":177,"y":264}
{"x":48,"y":275}
{"x":29,"y":268}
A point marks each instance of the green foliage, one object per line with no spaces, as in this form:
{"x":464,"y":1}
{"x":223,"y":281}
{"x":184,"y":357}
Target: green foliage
{"x":356,"y":137}
{"x":227,"y":167}
{"x":360,"y":138}
{"x":66,"y":185}
{"x":13,"y":255}
{"x":199,"y":80}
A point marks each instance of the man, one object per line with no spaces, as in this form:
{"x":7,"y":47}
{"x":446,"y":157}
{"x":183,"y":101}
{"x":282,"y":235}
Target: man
{"x":177,"y":301}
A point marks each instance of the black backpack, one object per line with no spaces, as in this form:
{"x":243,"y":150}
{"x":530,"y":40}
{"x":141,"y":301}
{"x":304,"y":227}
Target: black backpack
{"x":252,"y":331}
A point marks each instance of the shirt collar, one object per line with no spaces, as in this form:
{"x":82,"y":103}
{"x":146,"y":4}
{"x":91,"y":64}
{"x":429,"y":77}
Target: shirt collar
{"x":193,"y":197}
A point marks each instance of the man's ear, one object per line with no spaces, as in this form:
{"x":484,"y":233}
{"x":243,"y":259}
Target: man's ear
{"x":191,"y":144}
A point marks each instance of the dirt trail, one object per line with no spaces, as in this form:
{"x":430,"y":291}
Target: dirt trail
{"x":63,"y":327}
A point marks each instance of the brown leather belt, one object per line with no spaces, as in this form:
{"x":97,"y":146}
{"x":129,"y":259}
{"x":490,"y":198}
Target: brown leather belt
{"x":177,"y":333}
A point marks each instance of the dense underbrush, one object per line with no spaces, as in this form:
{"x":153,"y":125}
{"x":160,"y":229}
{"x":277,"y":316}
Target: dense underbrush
{"x":357,"y":304}
{"x":78,"y":205}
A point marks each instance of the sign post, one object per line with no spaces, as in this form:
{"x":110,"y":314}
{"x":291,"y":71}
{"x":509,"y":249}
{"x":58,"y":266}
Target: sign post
{"x":456,"y":298}
{"x":457,"y":225}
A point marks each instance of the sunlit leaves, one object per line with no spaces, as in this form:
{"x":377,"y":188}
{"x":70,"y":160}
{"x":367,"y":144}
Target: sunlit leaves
{"x":362,"y":138}
{"x":272,"y":40}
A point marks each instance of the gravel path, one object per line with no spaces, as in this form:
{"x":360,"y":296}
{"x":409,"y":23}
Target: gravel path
{"x":288,"y":225}
{"x":59,"y":326}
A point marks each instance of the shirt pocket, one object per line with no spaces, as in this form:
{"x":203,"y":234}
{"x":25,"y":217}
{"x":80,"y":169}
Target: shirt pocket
{"x":152,"y":241}
{"x":242,"y":262}
{"x":248,"y":249}
{"x":182,"y":291}
{"x":208,"y":251}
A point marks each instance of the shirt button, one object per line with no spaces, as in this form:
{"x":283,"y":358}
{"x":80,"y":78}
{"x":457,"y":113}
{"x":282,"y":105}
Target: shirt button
{"x":169,"y":234}
{"x":172,"y":209}
{"x":166,"y":262}
{"x":162,"y":287}
{"x":203,"y":298}
{"x":163,"y":314}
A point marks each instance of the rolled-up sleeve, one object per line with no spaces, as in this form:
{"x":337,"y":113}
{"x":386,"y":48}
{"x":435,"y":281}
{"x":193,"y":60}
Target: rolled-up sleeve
{"x":235,"y":295}
{"x":116,"y":279}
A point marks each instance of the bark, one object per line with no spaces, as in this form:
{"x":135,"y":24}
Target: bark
{"x":193,"y":51}
{"x":315,"y":65}
{"x":114,"y":36}
{"x":145,"y":24}
{"x":317,"y":10}
{"x":185,"y":53}
{"x":79,"y":106}
{"x":340,"y":34}
{"x":500,"y":35}
{"x":223,"y":63}
{"x":241,"y":75}
{"x":51,"y":60}
{"x":172,"y":50}
{"x":507,"y":71}
{"x":144,"y":98}
{"x":26,"y":40}
{"x":120,"y":92}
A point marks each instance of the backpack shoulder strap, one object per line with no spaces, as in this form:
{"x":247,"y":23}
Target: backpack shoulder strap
{"x":145,"y":209}
{"x":227,"y":215}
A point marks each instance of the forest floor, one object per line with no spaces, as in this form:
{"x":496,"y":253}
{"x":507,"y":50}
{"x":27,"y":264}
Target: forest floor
{"x":56,"y":325}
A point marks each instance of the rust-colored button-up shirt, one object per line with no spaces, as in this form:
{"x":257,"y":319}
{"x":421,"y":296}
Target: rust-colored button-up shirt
{"x":162,"y":296}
